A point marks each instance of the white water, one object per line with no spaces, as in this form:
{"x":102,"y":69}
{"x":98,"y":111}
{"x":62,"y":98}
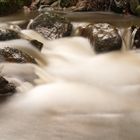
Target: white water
{"x":75,"y":95}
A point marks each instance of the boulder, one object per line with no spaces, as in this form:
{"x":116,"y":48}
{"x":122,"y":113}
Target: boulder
{"x":51,"y":26}
{"x":104,"y":37}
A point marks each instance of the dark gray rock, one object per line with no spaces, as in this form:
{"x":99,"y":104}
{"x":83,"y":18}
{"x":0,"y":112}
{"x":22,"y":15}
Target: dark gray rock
{"x":6,"y":88}
{"x":92,"y":5}
{"x":120,"y":6}
{"x":137,"y":39}
{"x":68,"y":3}
{"x":8,"y":34}
{"x":103,"y":36}
{"x":14,"y":55}
{"x":51,"y":26}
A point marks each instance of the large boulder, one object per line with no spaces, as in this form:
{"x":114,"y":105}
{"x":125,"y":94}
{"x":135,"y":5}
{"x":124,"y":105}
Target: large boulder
{"x":51,"y":26}
{"x":103,"y":36}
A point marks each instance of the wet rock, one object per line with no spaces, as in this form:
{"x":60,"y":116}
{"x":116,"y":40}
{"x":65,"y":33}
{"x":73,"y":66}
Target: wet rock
{"x":38,"y":45}
{"x":14,"y":55}
{"x":137,"y":39}
{"x":8,"y":34}
{"x":48,"y":2}
{"x":103,"y":36}
{"x":92,"y":5}
{"x":6,"y":88}
{"x":120,"y":6}
{"x":117,"y":6}
{"x":37,"y":3}
{"x":68,"y":3}
{"x":51,"y":26}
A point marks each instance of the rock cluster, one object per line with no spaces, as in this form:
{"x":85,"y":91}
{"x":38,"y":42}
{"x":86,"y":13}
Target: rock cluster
{"x":118,"y":6}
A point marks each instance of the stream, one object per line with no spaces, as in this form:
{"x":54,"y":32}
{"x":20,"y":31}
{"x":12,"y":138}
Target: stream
{"x":117,"y":20}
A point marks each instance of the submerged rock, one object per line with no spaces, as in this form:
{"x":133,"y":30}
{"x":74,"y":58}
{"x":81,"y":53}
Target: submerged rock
{"x":51,"y":26}
{"x":103,"y":36}
{"x":6,"y":88}
{"x":14,"y":55}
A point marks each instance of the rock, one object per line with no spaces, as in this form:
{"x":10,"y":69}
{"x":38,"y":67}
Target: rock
{"x":38,"y":45}
{"x":92,"y":5}
{"x":120,"y":6}
{"x":68,"y":3}
{"x":51,"y":26}
{"x":103,"y":36}
{"x":8,"y":34}
{"x":133,"y":5}
{"x":6,"y":88}
{"x":37,"y":3}
{"x":14,"y":55}
{"x":137,"y":39}
{"x":48,"y":2}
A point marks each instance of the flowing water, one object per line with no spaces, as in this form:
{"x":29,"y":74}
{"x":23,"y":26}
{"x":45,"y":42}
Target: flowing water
{"x":80,"y":95}
{"x":92,"y":17}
